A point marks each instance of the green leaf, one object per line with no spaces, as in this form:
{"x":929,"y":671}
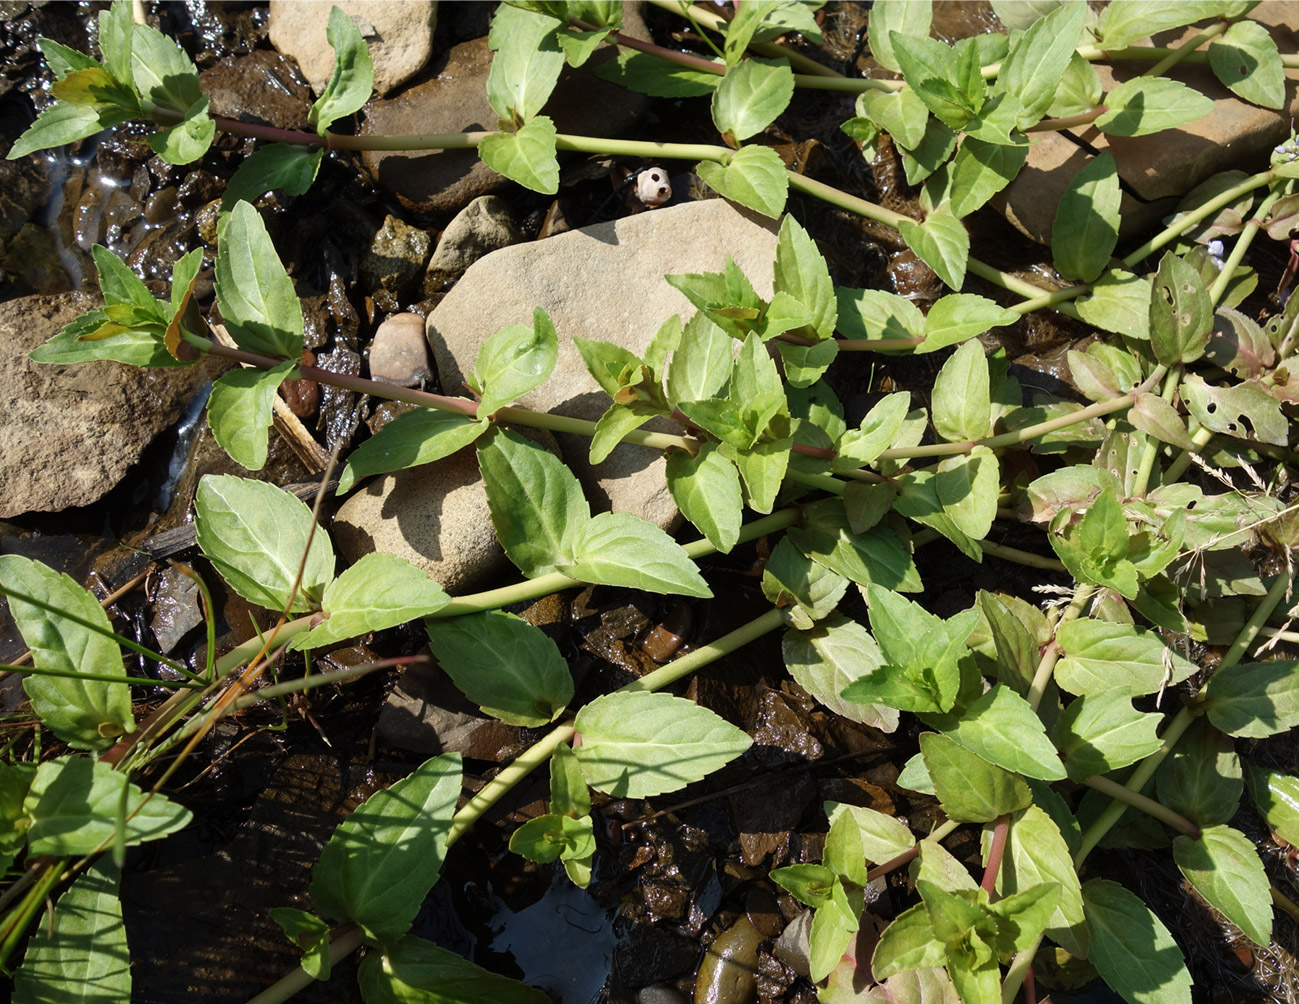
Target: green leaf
{"x":1245,"y":58}
{"x":1095,"y":549}
{"x":1201,"y":778}
{"x":801,"y":271}
{"x":1236,"y":409}
{"x":81,"y":341}
{"x":525,"y":67}
{"x":568,"y":794}
{"x":806,"y":364}
{"x":119,"y":283}
{"x":918,"y":499}
{"x":616,"y":423}
{"x":981,"y":170}
{"x":941,"y":242}
{"x":967,"y":486}
{"x":115,"y":31}
{"x":309,"y":933}
{"x":647,"y":74}
{"x":873,"y":313}
{"x":791,"y":578}
{"x":909,"y":18}
{"x":255,"y":535}
{"x":834,"y":928}
{"x":1015,"y":649}
{"x":1156,"y":417}
{"x":876,"y":555}
{"x":509,"y":668}
{"x":755,"y":177}
{"x":958,"y":316}
{"x":86,"y":714}
{"x":1126,"y":21}
{"x":962,"y":399}
{"x":1277,"y":796}
{"x":1181,"y":313}
{"x":619,"y":549}
{"x":74,"y":803}
{"x":1101,"y":656}
{"x":187,"y":140}
{"x":901,"y":114}
{"x":352,"y":81}
{"x":383,"y":859}
{"x":258,"y":303}
{"x":241,"y":408}
{"x":883,"y":837}
{"x":879,"y":427}
{"x":706,"y":488}
{"x":61,"y":124}
{"x":940,"y":75}
{"x":526,"y":156}
{"x":1102,"y":731}
{"x":287,"y":166}
{"x":413,"y":438}
{"x":843,"y":852}
{"x":809,"y":884}
{"x":970,"y":789}
{"x":1147,"y":105}
{"x":579,"y":46}
{"x":164,"y":76}
{"x":514,"y":361}
{"x":545,"y":838}
{"x":1119,"y":302}
{"x":1036,"y":852}
{"x":415,"y":971}
{"x":826,"y":658}
{"x":1225,"y":869}
{"x":1086,"y":225}
{"x":762,"y":469}
{"x":638,"y":744}
{"x":750,"y":97}
{"x":1003,"y":729}
{"x":1038,"y":59}
{"x":80,"y":955}
{"x":1131,"y":949}
{"x":1254,"y":699}
{"x":1023,"y":916}
{"x":536,"y":503}
{"x":701,"y":364}
{"x":908,"y":943}
{"x":610,"y":365}
{"x":379,"y":591}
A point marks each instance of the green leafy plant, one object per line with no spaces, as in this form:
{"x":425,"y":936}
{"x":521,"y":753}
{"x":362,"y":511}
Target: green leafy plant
{"x":1019,"y":709}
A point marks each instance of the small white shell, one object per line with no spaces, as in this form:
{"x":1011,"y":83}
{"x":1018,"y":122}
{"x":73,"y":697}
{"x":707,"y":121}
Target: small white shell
{"x":653,"y":187}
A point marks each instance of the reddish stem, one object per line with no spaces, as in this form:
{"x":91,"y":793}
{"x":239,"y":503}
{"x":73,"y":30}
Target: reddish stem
{"x":995,"y":853}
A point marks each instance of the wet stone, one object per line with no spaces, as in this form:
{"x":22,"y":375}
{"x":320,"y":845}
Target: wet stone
{"x":176,"y":608}
{"x":427,"y":715}
{"x":393,"y":262}
{"x":262,"y":87}
{"x":764,"y":821}
{"x":649,"y":955}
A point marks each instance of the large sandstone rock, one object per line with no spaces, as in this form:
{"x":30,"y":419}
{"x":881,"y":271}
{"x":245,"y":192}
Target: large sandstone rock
{"x":71,"y":432}
{"x":1163,"y":166}
{"x":443,"y":181}
{"x":399,"y":34}
{"x":604,"y":282}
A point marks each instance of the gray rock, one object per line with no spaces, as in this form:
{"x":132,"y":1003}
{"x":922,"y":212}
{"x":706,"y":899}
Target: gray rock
{"x":71,"y":432}
{"x":483,"y":226}
{"x":606,"y":282}
{"x":399,"y":34}
{"x":794,"y":946}
{"x":399,"y":354}
{"x":393,"y":262}
{"x":426,"y":714}
{"x":1165,"y":165}
{"x":434,"y":516}
{"x":454,"y":101}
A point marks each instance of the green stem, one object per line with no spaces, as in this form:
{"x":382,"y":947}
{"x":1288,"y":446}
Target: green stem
{"x":1243,"y":242}
{"x":1068,"y":121}
{"x":1196,"y":216}
{"x":1186,"y":48}
{"x":343,"y":944}
{"x":1051,"y":654}
{"x":30,"y":905}
{"x":1108,"y":786}
{"x":1153,"y":445}
{"x":1200,"y":437}
{"x":1146,"y":769}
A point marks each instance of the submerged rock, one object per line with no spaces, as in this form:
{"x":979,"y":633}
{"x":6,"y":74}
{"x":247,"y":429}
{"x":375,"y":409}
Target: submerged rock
{"x":71,"y":432}
{"x":602,"y":282}
{"x":393,"y":262}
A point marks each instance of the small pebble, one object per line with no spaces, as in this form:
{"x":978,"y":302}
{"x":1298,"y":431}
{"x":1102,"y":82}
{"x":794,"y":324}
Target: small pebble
{"x":399,"y":354}
{"x":729,"y":972}
{"x":794,"y":946}
{"x":659,"y":993}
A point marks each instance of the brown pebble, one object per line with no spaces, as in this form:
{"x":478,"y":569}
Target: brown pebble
{"x":399,"y":354}
{"x":729,"y":972}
